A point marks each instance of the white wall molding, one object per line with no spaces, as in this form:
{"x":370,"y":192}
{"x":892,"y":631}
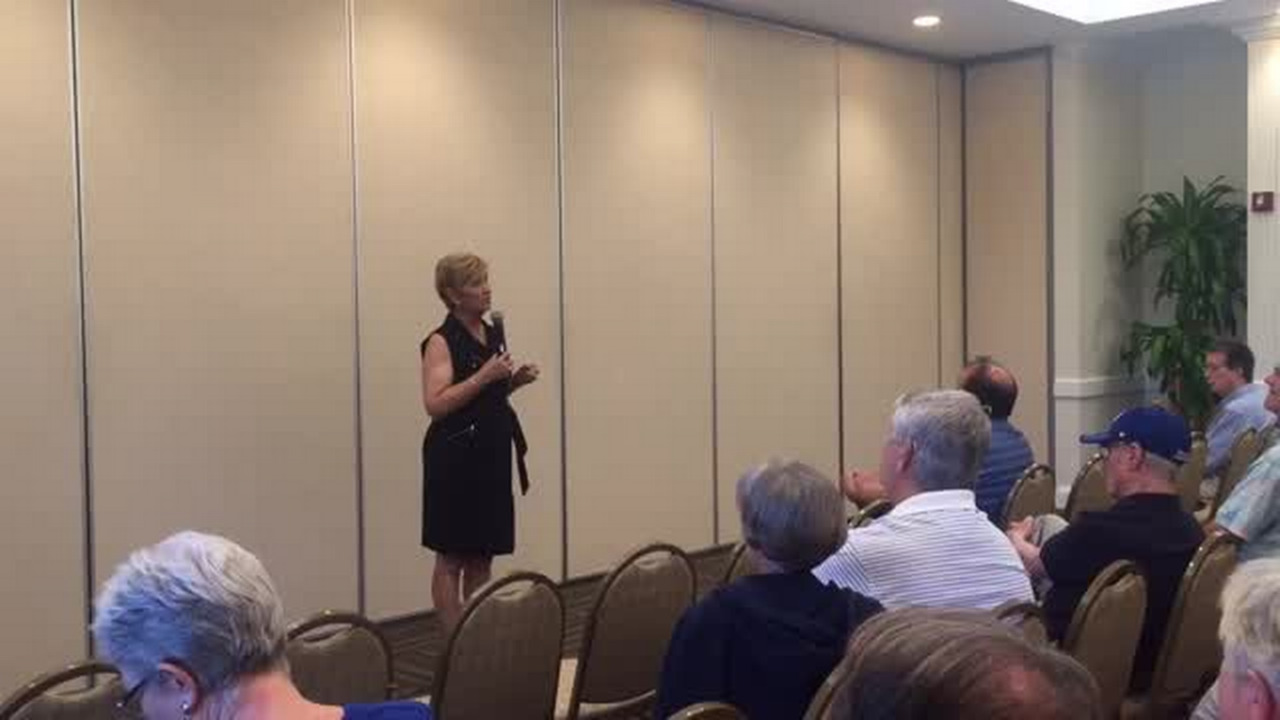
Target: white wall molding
{"x":1263,"y":28}
{"x":1097,"y":386}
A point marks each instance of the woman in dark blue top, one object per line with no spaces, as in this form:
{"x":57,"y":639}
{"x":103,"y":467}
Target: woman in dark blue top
{"x":197,"y":631}
{"x":766,"y":642}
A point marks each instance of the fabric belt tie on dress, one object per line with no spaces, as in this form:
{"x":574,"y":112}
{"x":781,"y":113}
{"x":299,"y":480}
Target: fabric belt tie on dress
{"x":522,"y":449}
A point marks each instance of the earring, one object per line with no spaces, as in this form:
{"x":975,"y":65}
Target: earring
{"x":186,"y":709}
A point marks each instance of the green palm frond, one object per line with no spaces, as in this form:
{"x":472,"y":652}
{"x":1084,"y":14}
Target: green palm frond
{"x":1199,"y":237}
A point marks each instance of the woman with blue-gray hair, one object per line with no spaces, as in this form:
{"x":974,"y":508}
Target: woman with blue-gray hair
{"x":197,"y":630}
{"x":765,"y":643}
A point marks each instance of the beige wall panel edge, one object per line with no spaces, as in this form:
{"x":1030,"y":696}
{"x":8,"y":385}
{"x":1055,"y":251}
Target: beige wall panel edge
{"x":42,"y":563}
{"x":774,"y":111}
{"x":218,"y":241}
{"x":1007,"y":245}
{"x":951,"y":223}
{"x":637,"y":274}
{"x":889,"y":168}
{"x":457,"y":150}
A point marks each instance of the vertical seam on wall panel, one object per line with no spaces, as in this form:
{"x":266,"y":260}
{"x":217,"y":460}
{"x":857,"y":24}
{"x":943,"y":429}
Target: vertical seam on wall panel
{"x":839,"y":272}
{"x":711,"y":218}
{"x":557,"y":40}
{"x":964,"y":213}
{"x":937,"y":188}
{"x":86,"y":467}
{"x":1051,"y":368}
{"x":355,"y":295}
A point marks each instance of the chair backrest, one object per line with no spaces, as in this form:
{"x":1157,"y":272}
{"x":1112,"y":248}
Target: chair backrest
{"x":46,"y":698}
{"x":625,"y":638}
{"x":1089,"y":491}
{"x":502,"y":659}
{"x":1244,"y":451}
{"x":1105,"y":629}
{"x":1191,"y":474}
{"x":338,"y":657}
{"x":709,"y":711}
{"x":1268,"y":437}
{"x":1033,"y":494}
{"x":741,"y":564}
{"x":1191,"y":651}
{"x":1027,"y":617}
{"x":869,"y":512}
{"x":820,"y":706}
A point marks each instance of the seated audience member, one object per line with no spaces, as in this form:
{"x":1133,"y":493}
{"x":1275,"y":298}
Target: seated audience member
{"x":766,"y":642}
{"x":1248,"y":685}
{"x":1251,"y":512}
{"x":1009,"y":454}
{"x":1241,"y":402}
{"x":197,"y":630}
{"x":935,"y":548}
{"x":1147,"y":525}
{"x":928,"y":664}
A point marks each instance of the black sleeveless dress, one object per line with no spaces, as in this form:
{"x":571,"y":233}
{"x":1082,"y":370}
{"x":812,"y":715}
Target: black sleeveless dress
{"x":467,"y":504}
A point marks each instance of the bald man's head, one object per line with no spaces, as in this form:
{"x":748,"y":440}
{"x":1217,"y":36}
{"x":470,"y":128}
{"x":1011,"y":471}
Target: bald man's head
{"x":993,"y":385}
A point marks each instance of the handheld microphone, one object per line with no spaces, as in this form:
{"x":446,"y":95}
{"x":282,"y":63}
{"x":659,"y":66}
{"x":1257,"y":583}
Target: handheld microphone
{"x":499,"y":331}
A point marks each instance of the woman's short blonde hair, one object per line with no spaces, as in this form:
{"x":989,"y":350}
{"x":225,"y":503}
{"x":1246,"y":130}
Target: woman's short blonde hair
{"x":458,"y":270}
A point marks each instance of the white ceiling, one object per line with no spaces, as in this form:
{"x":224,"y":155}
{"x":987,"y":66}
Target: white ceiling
{"x":973,"y":28}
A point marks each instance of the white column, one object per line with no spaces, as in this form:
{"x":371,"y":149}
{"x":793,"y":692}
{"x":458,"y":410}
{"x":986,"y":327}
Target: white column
{"x":1097,"y":179}
{"x":1264,"y":175}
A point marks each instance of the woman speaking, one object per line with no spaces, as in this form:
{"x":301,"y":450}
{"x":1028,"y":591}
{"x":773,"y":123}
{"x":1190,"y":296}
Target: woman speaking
{"x":468,"y":512}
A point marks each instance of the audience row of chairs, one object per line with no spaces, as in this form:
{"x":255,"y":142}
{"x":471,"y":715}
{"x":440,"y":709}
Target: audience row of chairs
{"x":335,"y":657}
{"x":1089,"y":491}
{"x":1035,"y":492}
{"x":514,"y":629}
{"x":511,"y":632}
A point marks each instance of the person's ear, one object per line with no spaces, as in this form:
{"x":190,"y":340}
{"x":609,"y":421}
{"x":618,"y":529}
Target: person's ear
{"x":1259,"y":698}
{"x":181,"y":685}
{"x":906,"y":458}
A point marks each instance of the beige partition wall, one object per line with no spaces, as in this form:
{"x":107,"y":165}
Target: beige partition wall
{"x":950,"y":224}
{"x":455,"y":115}
{"x":774,"y":123}
{"x":637,"y":274}
{"x":889,"y":184}
{"x":1007,"y":280}
{"x":42,"y":516}
{"x":218,"y":243}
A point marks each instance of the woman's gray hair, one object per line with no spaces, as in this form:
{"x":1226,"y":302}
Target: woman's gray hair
{"x":1250,"y":626}
{"x":791,"y":514}
{"x":949,"y":434}
{"x":195,"y":599}
{"x":922,"y":663}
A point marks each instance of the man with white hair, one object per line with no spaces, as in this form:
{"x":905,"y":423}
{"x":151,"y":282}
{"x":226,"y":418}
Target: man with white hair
{"x":935,"y":548}
{"x":1248,"y":686}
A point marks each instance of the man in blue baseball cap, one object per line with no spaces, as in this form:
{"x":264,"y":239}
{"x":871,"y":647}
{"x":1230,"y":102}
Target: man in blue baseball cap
{"x":1147,"y":525}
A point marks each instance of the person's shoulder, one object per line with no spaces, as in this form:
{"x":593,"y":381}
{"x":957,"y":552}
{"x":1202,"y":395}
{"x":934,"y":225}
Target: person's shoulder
{"x":711,"y":610}
{"x":860,"y":606}
{"x":402,"y":710}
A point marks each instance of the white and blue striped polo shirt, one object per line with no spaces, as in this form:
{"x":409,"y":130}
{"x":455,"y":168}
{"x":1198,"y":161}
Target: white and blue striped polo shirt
{"x":935,"y":549}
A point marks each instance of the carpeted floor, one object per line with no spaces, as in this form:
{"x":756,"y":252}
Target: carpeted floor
{"x":416,"y":641}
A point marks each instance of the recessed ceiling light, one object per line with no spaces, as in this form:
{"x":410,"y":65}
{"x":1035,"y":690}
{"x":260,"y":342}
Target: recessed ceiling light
{"x":1097,"y":11}
{"x":926,"y":21}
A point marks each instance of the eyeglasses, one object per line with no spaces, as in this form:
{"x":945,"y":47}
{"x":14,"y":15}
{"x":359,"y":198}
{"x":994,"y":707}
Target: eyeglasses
{"x":129,"y":707}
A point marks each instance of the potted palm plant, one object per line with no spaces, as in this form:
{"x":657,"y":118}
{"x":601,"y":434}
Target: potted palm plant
{"x":1198,"y":238}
